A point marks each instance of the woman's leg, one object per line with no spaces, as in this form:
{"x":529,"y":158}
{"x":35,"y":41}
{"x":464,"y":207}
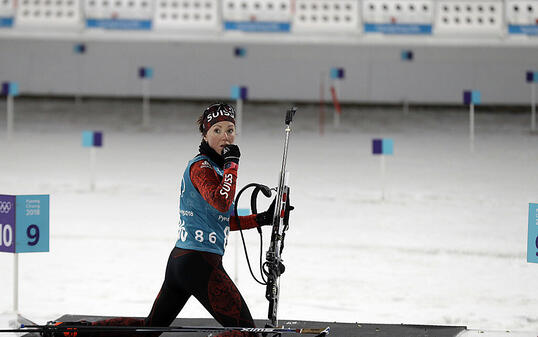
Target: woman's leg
{"x":172,"y":297}
{"x":216,"y":291}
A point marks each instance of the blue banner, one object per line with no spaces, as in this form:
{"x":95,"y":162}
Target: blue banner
{"x":255,"y":26}
{"x":120,"y":24}
{"x":6,"y":22}
{"x":532,"y":241}
{"x":398,"y":28}
{"x":523,"y":29}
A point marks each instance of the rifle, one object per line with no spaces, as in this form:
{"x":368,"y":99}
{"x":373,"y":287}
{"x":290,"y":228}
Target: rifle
{"x":273,"y":265}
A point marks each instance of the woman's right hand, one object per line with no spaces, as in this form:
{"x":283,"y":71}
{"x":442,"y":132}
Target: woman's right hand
{"x":231,"y":154}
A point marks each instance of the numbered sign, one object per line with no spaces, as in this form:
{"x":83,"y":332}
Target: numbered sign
{"x":532,"y":245}
{"x":24,"y":223}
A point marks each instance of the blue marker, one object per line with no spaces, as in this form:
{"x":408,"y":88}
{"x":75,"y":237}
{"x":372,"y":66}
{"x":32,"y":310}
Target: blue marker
{"x":10,"y":89}
{"x":407,"y":55}
{"x":383,"y":147}
{"x":532,"y":78}
{"x":338,"y":73}
{"x":92,"y":139}
{"x":145,"y":72}
{"x":239,"y":93}
{"x":240,"y":52}
{"x":472,"y":98}
{"x":79,"y":48}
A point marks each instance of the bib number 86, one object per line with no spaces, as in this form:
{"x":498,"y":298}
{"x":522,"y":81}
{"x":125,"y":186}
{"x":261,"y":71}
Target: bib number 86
{"x":199,"y":236}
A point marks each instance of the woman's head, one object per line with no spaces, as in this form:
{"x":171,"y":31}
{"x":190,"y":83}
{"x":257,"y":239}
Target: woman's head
{"x":217,"y":126}
{"x":215,"y":113}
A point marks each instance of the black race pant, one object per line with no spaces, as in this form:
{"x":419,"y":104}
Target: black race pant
{"x":199,"y":274}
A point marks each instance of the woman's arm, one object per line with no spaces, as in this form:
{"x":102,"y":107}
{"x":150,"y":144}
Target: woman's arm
{"x":247,"y":222}
{"x":218,"y":191}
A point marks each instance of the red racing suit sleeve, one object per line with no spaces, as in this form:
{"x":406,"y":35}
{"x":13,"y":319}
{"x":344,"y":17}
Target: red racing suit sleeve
{"x":219,"y":191}
{"x":247,"y":222}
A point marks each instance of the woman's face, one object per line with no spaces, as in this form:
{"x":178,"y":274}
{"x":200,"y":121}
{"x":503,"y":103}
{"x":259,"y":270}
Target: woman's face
{"x":220,"y":135}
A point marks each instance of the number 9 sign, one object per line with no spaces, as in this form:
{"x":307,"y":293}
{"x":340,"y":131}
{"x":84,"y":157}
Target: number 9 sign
{"x":24,"y":223}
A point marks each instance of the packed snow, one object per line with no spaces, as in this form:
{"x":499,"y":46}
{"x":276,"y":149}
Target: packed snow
{"x":446,"y":245}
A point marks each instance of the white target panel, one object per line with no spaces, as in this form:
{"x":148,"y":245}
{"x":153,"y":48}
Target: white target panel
{"x":469,"y":17}
{"x":48,"y":13}
{"x":398,"y":11}
{"x":257,"y":10}
{"x":119,"y":9}
{"x":522,"y":12}
{"x":326,"y":15}
{"x":185,"y":14}
{"x":7,"y":8}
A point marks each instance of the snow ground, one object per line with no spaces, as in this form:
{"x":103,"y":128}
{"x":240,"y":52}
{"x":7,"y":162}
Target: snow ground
{"x":446,"y":246}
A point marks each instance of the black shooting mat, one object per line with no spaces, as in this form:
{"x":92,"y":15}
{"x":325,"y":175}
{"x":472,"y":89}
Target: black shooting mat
{"x":337,"y":329}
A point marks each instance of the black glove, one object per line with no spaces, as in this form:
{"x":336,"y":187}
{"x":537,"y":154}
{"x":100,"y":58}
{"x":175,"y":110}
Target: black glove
{"x":230,"y":154}
{"x":266,"y":218}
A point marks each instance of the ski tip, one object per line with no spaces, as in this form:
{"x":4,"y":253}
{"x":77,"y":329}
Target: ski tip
{"x":325,"y":332}
{"x":316,"y":332}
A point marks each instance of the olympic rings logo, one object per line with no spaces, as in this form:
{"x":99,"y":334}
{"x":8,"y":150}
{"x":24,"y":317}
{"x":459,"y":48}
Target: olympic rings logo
{"x":5,"y":206}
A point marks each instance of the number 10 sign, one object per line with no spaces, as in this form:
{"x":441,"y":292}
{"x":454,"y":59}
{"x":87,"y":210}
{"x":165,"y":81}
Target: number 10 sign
{"x":24,"y":223}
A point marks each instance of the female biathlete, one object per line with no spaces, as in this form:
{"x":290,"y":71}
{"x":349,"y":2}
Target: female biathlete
{"x":205,"y":219}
